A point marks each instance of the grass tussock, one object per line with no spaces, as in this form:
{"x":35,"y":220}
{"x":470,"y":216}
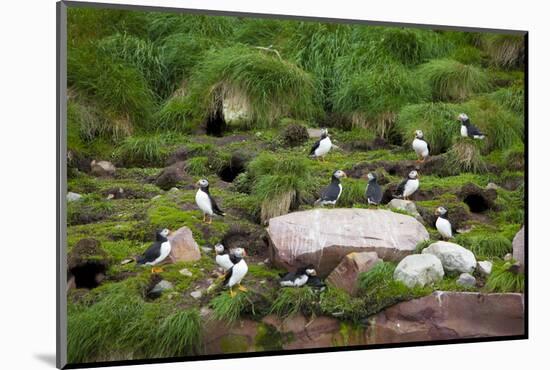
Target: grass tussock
{"x":229,"y":309}
{"x":485,"y":245}
{"x":291,"y":301}
{"x":503,"y":281}
{"x":465,"y":156}
{"x":150,"y":150}
{"x":506,"y":51}
{"x":450,"y":80}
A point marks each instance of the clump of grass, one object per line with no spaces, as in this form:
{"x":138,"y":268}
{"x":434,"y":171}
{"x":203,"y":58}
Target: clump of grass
{"x":467,"y":54}
{"x":150,"y":150}
{"x":502,"y":280}
{"x":371,"y":98}
{"x":438,"y":121}
{"x":291,"y":301}
{"x":411,"y":46}
{"x":87,"y":210}
{"x":353,"y":192}
{"x":179,"y":334}
{"x":485,"y":245}
{"x":90,"y":122}
{"x":229,"y":309}
{"x":506,"y":51}
{"x":465,"y":156}
{"x":337,"y":302}
{"x":511,"y":98}
{"x":266,"y":86}
{"x":450,"y":80}
{"x":380,"y":290}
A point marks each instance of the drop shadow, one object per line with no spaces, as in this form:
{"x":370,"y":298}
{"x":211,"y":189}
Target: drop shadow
{"x":46,"y":358}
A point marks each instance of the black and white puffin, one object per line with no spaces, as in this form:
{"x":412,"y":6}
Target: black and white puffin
{"x":299,"y":278}
{"x":206,"y":203}
{"x":420,"y":146}
{"x":223,"y":257}
{"x":374,"y":191}
{"x":237,"y":272}
{"x":442,"y":224}
{"x":321,"y":146}
{"x":157,"y":252}
{"x":331,"y":193}
{"x":469,"y":130}
{"x":408,"y":186}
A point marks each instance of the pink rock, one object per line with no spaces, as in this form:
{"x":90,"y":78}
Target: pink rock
{"x":184,"y":247}
{"x":345,"y":275}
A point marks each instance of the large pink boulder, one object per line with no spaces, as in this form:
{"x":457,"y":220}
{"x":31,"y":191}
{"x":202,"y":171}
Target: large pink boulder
{"x":184,"y":247}
{"x":324,"y":237}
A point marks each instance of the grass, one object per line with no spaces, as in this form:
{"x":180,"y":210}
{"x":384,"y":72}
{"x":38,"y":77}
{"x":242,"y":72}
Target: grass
{"x":485,"y":245}
{"x":150,"y":150}
{"x":337,"y":302}
{"x":450,"y":80}
{"x":291,"y":301}
{"x":503,"y":281}
{"x":465,"y":156}
{"x":506,"y":51}
{"x":179,"y":334}
{"x":229,"y":309}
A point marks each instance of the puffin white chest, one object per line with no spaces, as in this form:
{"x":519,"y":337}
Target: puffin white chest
{"x":444,"y":227}
{"x":203,"y":202}
{"x":464,"y":131}
{"x":410,"y":187}
{"x":237,"y":273}
{"x":224,"y":261}
{"x":420,"y":147}
{"x":324,"y":147}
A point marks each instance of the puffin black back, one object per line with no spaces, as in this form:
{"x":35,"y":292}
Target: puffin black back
{"x":227,"y":170}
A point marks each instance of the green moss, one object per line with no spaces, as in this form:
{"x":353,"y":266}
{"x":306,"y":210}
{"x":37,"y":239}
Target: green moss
{"x":337,"y":302}
{"x":234,"y":343}
{"x":268,"y":338}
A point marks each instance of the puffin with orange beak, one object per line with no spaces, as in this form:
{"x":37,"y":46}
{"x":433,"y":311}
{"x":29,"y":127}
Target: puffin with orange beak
{"x":442,"y":224}
{"x":237,"y":272}
{"x":331,"y":193}
{"x":408,"y":186}
{"x":206,"y":203}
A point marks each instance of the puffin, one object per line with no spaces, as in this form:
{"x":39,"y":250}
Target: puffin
{"x":223,"y":257}
{"x":206,"y":203}
{"x":157,"y":252}
{"x":408,"y":186}
{"x":469,"y":130}
{"x":237,"y":272}
{"x":299,"y":278}
{"x":420,"y":146}
{"x":373,"y":191}
{"x":443,"y":224}
{"x":321,"y":146}
{"x":331,"y":193}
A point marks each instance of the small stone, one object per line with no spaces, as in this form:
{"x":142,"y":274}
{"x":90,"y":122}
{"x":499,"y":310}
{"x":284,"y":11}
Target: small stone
{"x":492,"y":186}
{"x":174,"y":190}
{"x":160,"y":287}
{"x":464,"y":230}
{"x":508,"y":257}
{"x":126,"y":261}
{"x":186,"y":272}
{"x":197,"y":294}
{"x":156,"y":197}
{"x":110,"y":196}
{"x":466,"y":280}
{"x":73,"y":197}
{"x":419,"y":269}
{"x":266,"y":261}
{"x":263,"y":282}
{"x":485,"y":267}
{"x":206,"y":249}
{"x":205,"y":311}
{"x":261,"y":263}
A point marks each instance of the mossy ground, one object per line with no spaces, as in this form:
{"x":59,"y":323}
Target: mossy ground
{"x":158,"y":111}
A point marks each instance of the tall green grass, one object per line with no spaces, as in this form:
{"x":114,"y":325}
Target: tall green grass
{"x":503,"y":281}
{"x":506,"y":51}
{"x":450,"y":80}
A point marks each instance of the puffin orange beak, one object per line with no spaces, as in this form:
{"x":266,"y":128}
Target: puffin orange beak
{"x":344,"y":174}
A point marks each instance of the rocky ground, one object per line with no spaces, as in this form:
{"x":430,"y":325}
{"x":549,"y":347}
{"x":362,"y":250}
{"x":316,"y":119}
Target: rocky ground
{"x":389,"y":278}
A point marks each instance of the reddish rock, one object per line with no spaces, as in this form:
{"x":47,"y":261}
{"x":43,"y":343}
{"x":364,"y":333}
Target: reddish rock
{"x":102,"y":168}
{"x":171,"y":176}
{"x":345,"y":275}
{"x":184,"y":247}
{"x":449,"y":315}
{"x":323,"y":237}
{"x":518,"y":245}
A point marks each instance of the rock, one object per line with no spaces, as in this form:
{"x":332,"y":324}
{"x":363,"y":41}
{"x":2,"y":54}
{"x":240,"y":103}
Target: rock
{"x":126,"y":261}
{"x":466,"y":280}
{"x":419,"y":269}
{"x":206,"y":249}
{"x":508,"y":257}
{"x":485,"y":267}
{"x":453,"y":257}
{"x":184,"y":247}
{"x":73,"y":197}
{"x":449,"y":315}
{"x":102,"y":168}
{"x":405,"y":205}
{"x":518,"y":248}
{"x":160,"y":287}
{"x":174,"y":190}
{"x":314,"y":133}
{"x":324,"y":237}
{"x":179,"y":155}
{"x":492,"y":186}
{"x":345,"y":275}
{"x":197,"y":294}
{"x":170,"y":176}
{"x":186,"y":272}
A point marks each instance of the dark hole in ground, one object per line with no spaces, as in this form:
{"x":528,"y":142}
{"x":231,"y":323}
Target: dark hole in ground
{"x":88,"y":275}
{"x":476,"y":203}
{"x":228,"y":173}
{"x":215,"y":123}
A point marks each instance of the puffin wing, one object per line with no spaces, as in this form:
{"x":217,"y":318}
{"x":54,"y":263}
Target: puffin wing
{"x":228,"y":275}
{"x":215,"y":207}
{"x":374,"y":193}
{"x":151,"y":254}
{"x":315,"y":146}
{"x":330,"y":193}
{"x":401,"y":187}
{"x":473,"y":130}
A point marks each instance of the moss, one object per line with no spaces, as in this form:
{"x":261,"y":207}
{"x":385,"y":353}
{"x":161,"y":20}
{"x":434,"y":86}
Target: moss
{"x":263,"y":272}
{"x":234,"y":343}
{"x":268,"y":338}
{"x":337,"y":302}
{"x":348,"y":334}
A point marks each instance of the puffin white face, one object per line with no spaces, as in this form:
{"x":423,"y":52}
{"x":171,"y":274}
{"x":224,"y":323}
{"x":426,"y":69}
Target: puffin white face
{"x":164,"y":232}
{"x":419,"y":134}
{"x":339,"y":174}
{"x":239,"y":252}
{"x":413,"y":174}
{"x":202,"y":183}
{"x":219,"y":248}
{"x":324,"y":131}
{"x":462,"y":117}
{"x":440,"y":211}
{"x":371,"y":176}
{"x":311,"y":272}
